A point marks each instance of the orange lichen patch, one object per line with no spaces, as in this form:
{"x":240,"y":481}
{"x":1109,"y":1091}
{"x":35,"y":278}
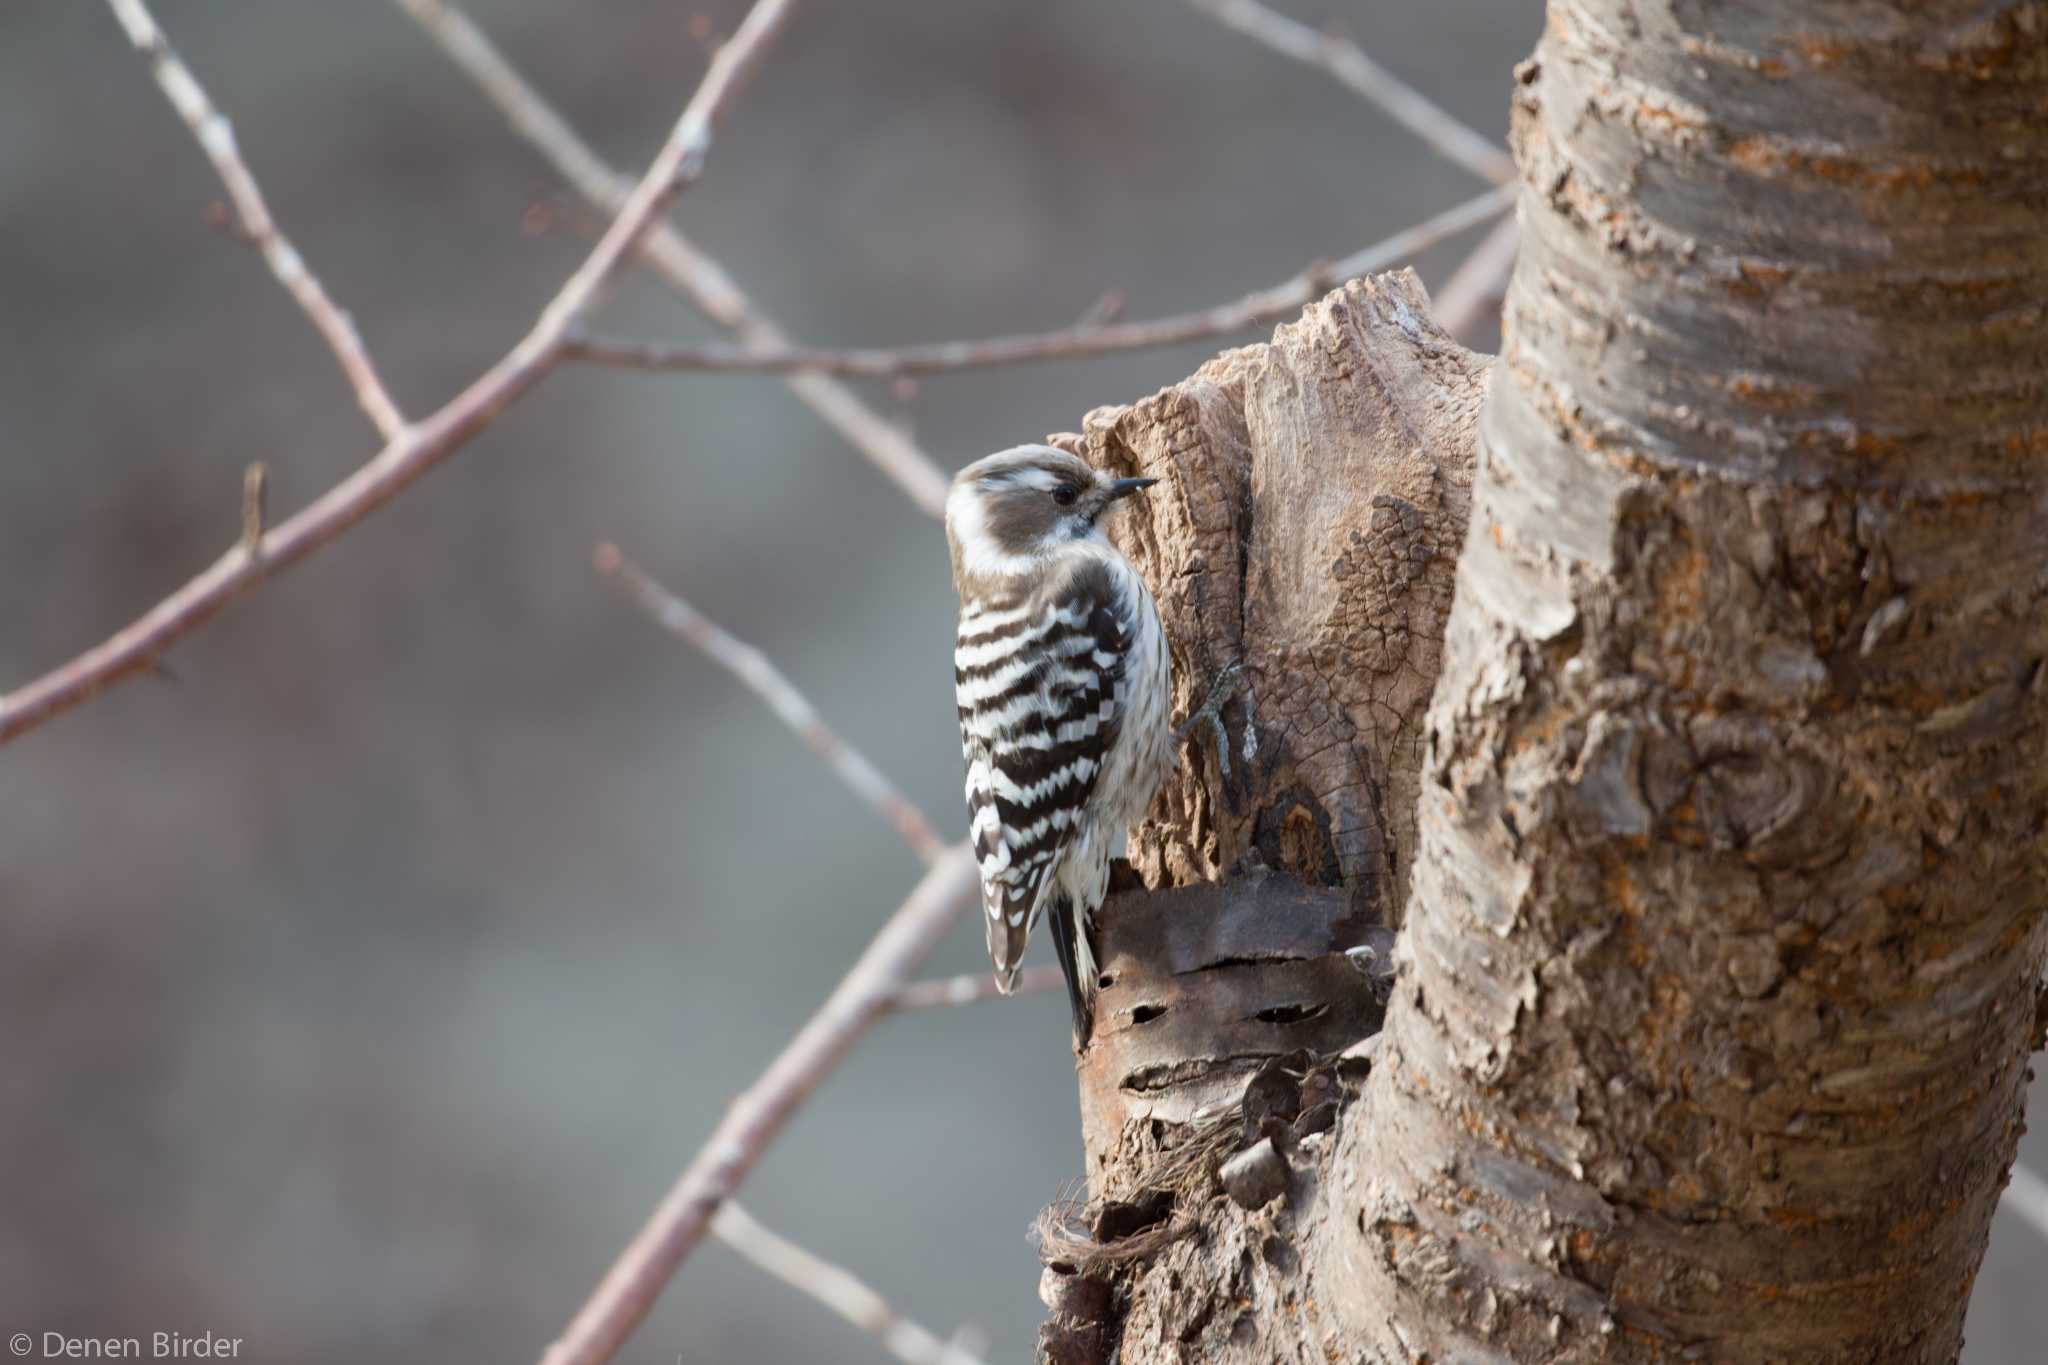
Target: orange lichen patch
{"x":1686,"y":1190}
{"x":1755,"y":278}
{"x":1827,"y":167}
{"x":1820,"y":51}
{"x":1635,"y":950}
{"x":1973,"y":287}
{"x":1804,"y":1220}
{"x":1766,"y":391}
{"x":1622,"y":891}
{"x":1915,"y":1228}
{"x":2032,"y":441}
{"x":1760,"y":154}
{"x":1666,"y":118}
{"x":1680,"y":577}
{"x":1868,"y":444}
{"x":1539,"y":729}
{"x":1862,"y":443}
{"x":1671,"y":1008}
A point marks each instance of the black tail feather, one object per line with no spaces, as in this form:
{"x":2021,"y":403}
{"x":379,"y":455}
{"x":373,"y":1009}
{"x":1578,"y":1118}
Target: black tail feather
{"x":1080,"y":994}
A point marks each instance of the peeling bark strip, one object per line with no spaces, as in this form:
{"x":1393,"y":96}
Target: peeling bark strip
{"x":1202,"y":985}
{"x":1735,"y":831}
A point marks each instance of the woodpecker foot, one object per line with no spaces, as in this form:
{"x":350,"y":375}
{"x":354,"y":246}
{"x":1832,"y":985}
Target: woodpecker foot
{"x":1209,"y":715}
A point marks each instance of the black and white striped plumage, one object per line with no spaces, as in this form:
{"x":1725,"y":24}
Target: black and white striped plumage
{"x":1064,"y":692}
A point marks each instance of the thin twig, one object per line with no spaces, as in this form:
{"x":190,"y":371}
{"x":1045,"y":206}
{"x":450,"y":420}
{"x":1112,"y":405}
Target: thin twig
{"x":255,"y":503}
{"x":420,"y":446}
{"x":1104,"y":310}
{"x":1255,"y":309}
{"x":692,"y":273}
{"x":765,"y":680}
{"x":970,"y":988}
{"x":758,"y":1115}
{"x":1471,"y":296}
{"x":837,"y":1288}
{"x":1348,"y":62}
{"x":2026,"y":1195}
{"x":216,"y":138}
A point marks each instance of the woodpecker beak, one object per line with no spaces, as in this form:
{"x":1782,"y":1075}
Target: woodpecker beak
{"x":1123,"y":488}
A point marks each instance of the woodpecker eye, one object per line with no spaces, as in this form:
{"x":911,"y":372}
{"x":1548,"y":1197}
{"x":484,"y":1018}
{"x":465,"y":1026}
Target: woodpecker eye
{"x":1065,"y":494}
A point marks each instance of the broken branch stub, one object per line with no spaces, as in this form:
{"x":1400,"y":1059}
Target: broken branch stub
{"x":1315,"y":492}
{"x":1315,"y":497}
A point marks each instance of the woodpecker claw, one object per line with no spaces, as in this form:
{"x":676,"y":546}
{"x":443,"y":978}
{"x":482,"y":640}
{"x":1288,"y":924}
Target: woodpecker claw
{"x":1209,"y":714}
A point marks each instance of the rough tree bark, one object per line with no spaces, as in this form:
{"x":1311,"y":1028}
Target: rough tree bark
{"x":1721,"y":855}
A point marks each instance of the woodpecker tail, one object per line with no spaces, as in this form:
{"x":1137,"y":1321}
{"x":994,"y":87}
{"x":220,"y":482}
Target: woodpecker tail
{"x":1077,"y":965}
{"x":1009,"y":922}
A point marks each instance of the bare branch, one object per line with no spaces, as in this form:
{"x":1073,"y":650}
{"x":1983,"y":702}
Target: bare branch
{"x":679,"y":162}
{"x":1255,"y":309}
{"x":420,"y":446}
{"x":758,"y":1115}
{"x":766,"y":681}
{"x":1473,"y":292}
{"x":693,"y":274}
{"x":2026,"y":1195}
{"x":837,"y":1288}
{"x":1349,"y":63}
{"x":971,"y":988}
{"x":217,"y":139}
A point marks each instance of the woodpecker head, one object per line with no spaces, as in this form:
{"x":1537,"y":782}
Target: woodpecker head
{"x":1011,"y":511}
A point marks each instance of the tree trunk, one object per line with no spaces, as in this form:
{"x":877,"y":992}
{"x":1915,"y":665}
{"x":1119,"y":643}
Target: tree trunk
{"x":1729,"y":890}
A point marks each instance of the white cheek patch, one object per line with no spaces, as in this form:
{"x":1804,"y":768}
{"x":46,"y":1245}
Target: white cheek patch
{"x":963,"y":514}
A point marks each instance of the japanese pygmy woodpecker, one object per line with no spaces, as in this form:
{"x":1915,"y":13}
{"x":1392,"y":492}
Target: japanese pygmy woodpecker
{"x":1064,"y":687}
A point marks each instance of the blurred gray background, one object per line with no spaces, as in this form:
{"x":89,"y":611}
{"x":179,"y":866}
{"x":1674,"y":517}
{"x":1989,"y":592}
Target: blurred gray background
{"x":365,"y":982}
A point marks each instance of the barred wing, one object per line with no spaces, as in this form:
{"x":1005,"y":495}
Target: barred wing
{"x":1036,"y":681}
